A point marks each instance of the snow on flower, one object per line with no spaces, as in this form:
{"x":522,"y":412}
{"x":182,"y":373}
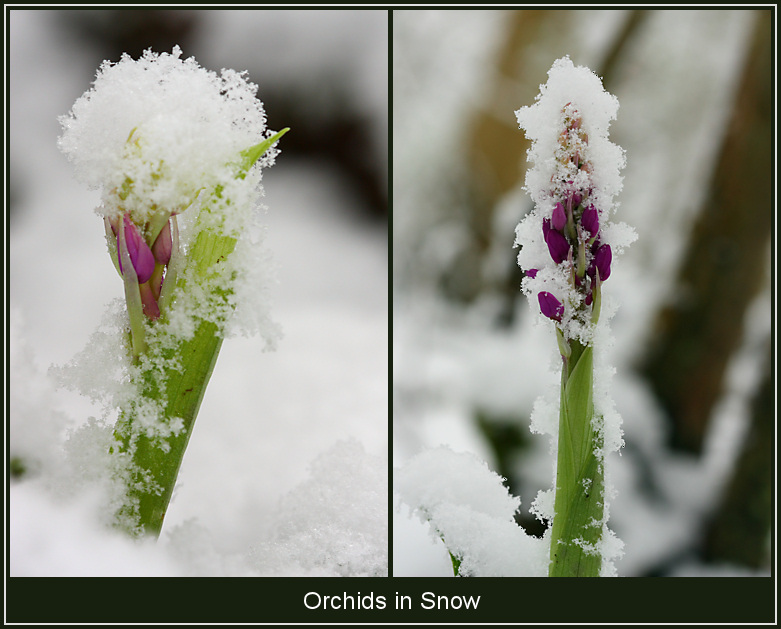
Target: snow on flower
{"x":568,"y":240}
{"x":152,"y":133}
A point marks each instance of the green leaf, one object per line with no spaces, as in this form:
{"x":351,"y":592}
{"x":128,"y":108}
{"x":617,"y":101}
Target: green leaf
{"x":578,"y":505}
{"x":183,"y":390}
{"x":254,"y":153}
{"x":132,"y":296}
{"x":456,"y":562}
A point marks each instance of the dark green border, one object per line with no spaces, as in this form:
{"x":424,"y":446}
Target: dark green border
{"x":721,"y":600}
{"x":517,"y":601}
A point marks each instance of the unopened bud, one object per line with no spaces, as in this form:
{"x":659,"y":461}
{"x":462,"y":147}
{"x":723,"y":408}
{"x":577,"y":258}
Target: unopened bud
{"x":140,"y":253}
{"x":557,"y":246}
{"x":550,"y":306}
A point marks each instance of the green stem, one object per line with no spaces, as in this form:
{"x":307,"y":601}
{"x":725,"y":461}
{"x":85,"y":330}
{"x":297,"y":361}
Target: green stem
{"x":578,"y":505}
{"x":156,"y":462}
{"x":184,"y":391}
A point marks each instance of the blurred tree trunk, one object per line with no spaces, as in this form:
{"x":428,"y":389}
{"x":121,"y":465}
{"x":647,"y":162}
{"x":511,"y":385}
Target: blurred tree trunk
{"x":738,"y":533}
{"x":724,"y":267}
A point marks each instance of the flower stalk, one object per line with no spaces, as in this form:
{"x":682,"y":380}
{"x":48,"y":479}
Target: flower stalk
{"x":567,"y":252}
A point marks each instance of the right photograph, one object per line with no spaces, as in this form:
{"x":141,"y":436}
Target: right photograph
{"x":583,"y":307}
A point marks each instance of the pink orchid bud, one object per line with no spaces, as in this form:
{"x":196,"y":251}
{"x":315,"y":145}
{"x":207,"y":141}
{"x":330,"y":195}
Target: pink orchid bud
{"x":558,"y":246}
{"x":140,"y":253}
{"x":603,"y":260}
{"x":550,"y":306}
{"x":559,"y":218}
{"x":590,"y":220}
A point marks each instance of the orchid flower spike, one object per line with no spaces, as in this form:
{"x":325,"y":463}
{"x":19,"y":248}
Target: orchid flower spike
{"x":568,"y":240}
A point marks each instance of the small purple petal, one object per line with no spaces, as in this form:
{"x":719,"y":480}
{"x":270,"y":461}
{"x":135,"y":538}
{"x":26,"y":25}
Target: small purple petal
{"x":550,"y":306}
{"x":532,"y":273}
{"x":603,"y":260}
{"x":590,"y":220}
{"x":140,"y":253}
{"x":559,"y":218}
{"x":557,"y":246}
{"x":546,"y":227}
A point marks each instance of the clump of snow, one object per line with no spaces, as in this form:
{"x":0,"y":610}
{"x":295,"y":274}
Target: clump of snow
{"x":78,"y":546}
{"x":440,"y":475}
{"x":165,"y":125}
{"x":468,"y":506}
{"x":580,"y":87}
{"x":336,"y":522}
{"x":30,"y":395}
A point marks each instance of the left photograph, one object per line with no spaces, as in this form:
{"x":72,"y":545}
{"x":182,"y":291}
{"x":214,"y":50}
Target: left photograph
{"x":197,"y":211}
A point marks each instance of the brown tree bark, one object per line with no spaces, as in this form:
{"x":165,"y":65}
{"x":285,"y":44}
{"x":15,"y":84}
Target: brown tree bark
{"x":725,"y":265}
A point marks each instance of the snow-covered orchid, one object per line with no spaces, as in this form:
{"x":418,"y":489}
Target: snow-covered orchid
{"x":567,"y":244}
{"x":164,"y":139}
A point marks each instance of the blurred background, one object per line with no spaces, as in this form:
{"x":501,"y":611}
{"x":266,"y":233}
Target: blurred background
{"x":267,"y":415}
{"x":693,"y":347}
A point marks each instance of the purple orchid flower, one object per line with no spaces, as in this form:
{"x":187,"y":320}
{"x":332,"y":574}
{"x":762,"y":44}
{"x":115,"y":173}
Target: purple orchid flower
{"x":550,"y":306}
{"x":558,"y":246}
{"x":559,"y":218}
{"x":161,"y":249}
{"x":603,"y":260}
{"x":590,"y":220}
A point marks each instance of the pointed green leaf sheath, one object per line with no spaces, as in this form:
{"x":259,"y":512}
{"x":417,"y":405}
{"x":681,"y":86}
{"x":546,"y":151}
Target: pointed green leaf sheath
{"x":183,"y":391}
{"x":254,"y":153}
{"x":577,"y":523}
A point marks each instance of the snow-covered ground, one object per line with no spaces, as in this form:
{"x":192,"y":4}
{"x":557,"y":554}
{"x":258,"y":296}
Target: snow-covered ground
{"x":286,"y":470}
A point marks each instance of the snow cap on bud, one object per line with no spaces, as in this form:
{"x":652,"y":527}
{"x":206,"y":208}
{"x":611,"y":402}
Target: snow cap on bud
{"x":153,"y":132}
